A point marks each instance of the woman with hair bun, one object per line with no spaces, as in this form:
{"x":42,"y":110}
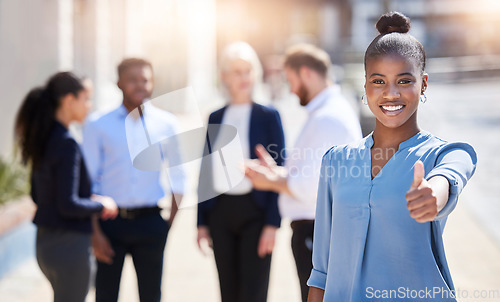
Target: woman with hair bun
{"x":383,"y":201}
{"x":60,"y":185}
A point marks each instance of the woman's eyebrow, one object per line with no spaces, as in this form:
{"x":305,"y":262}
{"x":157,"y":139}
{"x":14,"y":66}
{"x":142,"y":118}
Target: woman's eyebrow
{"x":399,"y":75}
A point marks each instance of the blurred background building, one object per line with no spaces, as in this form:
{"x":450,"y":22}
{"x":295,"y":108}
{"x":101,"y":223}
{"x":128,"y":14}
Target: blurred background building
{"x":41,"y":37}
{"x":182,"y":38}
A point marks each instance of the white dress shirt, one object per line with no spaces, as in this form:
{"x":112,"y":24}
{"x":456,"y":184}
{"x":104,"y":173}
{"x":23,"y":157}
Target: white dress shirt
{"x":238,"y":116}
{"x":331,"y":121}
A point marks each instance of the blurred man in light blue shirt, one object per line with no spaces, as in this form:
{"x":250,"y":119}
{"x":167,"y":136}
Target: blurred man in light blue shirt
{"x":139,"y":229}
{"x":109,"y":161}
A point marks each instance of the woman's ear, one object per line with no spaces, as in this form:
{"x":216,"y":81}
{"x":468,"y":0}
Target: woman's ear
{"x":67,"y":100}
{"x":425,"y":78}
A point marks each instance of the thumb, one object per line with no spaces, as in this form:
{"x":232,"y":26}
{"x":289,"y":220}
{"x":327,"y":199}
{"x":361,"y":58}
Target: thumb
{"x":419,"y":173}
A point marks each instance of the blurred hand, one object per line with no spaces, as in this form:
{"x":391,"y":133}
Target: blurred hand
{"x":261,"y":177}
{"x":102,"y":248}
{"x":264,"y":173}
{"x":264,"y":157}
{"x":110,"y":209}
{"x":422,"y":200}
{"x":267,"y":240}
{"x":204,"y":240}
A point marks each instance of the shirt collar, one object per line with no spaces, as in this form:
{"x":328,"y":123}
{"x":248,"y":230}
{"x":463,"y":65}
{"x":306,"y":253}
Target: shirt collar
{"x":412,"y":141}
{"x":123,"y":112}
{"x":320,"y":99}
{"x":240,"y":107}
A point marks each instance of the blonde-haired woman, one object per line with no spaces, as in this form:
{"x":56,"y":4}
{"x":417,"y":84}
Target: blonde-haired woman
{"x":241,"y":223}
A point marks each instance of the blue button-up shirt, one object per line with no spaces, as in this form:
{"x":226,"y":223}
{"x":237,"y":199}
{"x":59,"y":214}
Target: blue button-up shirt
{"x":366,"y":245}
{"x":110,"y":165}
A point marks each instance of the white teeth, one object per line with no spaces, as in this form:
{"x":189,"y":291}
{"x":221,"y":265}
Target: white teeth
{"x":392,"y":108}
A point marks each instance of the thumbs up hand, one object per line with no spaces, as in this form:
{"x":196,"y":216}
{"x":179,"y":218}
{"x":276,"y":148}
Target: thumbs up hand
{"x":422,"y":200}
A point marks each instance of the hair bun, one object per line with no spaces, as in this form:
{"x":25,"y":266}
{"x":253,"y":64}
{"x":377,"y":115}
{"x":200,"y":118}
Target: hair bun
{"x":393,"y":22}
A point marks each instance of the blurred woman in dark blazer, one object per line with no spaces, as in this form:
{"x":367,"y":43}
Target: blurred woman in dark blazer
{"x":60,"y":185}
{"x":240,"y":223}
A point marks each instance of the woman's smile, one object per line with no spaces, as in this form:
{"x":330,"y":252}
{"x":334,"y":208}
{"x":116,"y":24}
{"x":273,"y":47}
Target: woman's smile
{"x":392,"y":110}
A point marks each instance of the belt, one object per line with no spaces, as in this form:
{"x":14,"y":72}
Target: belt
{"x":137,"y":212}
{"x":297,"y":223}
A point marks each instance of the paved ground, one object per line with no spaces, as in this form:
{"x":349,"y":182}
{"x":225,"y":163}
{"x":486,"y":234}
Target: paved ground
{"x":469,"y":112}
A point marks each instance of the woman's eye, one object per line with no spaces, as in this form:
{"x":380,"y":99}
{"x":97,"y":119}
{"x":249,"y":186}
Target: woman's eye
{"x":404,"y":81}
{"x":378,"y":81}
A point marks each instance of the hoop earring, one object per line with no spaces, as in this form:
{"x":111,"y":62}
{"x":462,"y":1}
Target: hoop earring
{"x":423,"y":98}
{"x":364,"y":100}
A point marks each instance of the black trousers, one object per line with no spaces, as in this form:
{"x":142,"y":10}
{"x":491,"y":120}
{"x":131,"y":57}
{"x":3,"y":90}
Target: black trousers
{"x":235,"y":225}
{"x":144,"y":239}
{"x":65,"y":259}
{"x":302,"y":242}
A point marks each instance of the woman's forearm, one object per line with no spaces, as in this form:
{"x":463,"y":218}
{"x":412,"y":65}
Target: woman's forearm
{"x":441,"y":188}
{"x":315,"y":294}
{"x":96,"y":228}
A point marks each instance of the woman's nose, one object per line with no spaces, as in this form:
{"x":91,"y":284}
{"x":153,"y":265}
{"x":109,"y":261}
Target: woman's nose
{"x":392,"y":92}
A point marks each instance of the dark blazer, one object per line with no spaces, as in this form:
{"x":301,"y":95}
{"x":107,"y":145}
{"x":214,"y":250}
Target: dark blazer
{"x":266,"y":129}
{"x":60,"y":185}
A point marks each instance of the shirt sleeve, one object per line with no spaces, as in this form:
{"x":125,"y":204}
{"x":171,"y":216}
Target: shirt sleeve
{"x":176,"y":172}
{"x":67,"y":177}
{"x":303,"y":181}
{"x":303,"y":188}
{"x":456,"y":162}
{"x":92,"y":152}
{"x":322,"y":227}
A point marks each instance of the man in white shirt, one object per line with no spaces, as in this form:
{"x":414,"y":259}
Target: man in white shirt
{"x":331,"y":121}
